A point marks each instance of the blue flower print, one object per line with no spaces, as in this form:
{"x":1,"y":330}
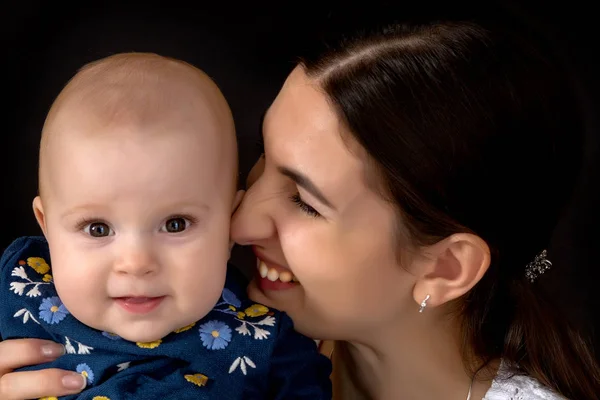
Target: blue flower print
{"x":215,"y":335}
{"x":111,"y":336}
{"x":86,"y":371}
{"x":52,"y":310}
{"x":230,"y":298}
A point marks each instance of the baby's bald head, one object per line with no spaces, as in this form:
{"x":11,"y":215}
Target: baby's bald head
{"x":138,"y":93}
{"x":138,"y":168}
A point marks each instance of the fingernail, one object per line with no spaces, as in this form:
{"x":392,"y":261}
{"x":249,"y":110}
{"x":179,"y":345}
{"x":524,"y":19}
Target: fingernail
{"x":74,"y":382}
{"x":53,"y":350}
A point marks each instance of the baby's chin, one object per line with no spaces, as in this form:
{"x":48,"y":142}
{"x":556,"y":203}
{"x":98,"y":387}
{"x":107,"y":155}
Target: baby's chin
{"x":143,"y":337}
{"x":146,"y":333}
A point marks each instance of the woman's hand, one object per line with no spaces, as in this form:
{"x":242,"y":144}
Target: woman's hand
{"x":18,"y":353}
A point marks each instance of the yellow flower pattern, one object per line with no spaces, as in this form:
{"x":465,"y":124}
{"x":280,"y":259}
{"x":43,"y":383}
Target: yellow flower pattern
{"x":197,"y":379}
{"x":224,"y":333}
{"x":39,"y":265}
{"x":49,"y":398}
{"x":185,"y":328}
{"x":256,"y":310}
{"x":100,"y":398}
{"x":149,"y":345}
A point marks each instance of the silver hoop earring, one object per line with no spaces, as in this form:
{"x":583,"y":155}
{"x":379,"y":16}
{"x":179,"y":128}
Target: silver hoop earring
{"x":424,"y":303}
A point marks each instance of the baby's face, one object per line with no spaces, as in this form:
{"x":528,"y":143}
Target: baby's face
{"x":138,"y":227}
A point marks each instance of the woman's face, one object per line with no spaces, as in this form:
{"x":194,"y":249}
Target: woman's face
{"x":311,"y":215}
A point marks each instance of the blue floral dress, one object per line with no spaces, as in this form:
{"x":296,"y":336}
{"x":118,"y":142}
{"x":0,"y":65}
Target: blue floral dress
{"x":240,"y":350}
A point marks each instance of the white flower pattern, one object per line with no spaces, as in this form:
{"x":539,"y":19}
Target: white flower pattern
{"x":247,"y":324}
{"x":123,"y":366}
{"x":250,"y":325}
{"x":81,"y":348}
{"x":243,"y":329}
{"x":259,"y":333}
{"x":243,"y":362}
{"x":20,"y":272}
{"x":19,"y":287}
{"x":26,"y":315}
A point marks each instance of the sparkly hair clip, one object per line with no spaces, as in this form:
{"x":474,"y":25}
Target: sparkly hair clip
{"x":538,"y":266}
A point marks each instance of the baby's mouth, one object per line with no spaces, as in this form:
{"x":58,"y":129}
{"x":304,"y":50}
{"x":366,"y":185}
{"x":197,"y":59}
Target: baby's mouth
{"x":139,"y":304}
{"x":274,"y":274}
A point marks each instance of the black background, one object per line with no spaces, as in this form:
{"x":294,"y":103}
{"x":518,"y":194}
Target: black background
{"x":249,"y":49}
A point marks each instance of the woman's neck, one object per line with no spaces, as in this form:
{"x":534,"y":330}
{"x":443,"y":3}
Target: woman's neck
{"x":425,"y":362}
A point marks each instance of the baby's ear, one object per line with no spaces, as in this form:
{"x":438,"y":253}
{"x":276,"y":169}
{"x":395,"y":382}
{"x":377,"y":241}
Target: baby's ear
{"x":236,"y":203}
{"x":38,"y":211}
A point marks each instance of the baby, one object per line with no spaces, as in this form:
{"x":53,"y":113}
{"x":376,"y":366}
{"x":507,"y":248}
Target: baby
{"x":137,"y":183}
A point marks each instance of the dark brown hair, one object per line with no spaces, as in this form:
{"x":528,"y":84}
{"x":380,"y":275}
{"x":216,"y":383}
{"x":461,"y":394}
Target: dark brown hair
{"x":473,"y":129}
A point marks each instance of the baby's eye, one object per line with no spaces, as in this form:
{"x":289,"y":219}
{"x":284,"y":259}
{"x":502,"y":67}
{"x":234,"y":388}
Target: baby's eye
{"x":174,"y":225}
{"x":97,"y":229}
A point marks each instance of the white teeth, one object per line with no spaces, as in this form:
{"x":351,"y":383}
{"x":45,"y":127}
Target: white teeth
{"x":262,"y":269}
{"x":273,"y":274}
{"x":285,"y":276}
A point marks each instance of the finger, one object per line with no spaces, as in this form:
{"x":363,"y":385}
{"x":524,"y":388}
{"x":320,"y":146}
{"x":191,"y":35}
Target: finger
{"x":18,"y":353}
{"x":42,"y":383}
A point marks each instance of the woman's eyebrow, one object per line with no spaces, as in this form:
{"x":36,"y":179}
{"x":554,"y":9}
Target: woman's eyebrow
{"x":306,"y":183}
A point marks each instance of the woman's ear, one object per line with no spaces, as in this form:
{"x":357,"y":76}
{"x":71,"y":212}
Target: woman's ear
{"x":452,"y":267}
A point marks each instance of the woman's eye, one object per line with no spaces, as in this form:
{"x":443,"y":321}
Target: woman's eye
{"x":97,"y":229}
{"x":306,"y":208}
{"x":174,"y":225}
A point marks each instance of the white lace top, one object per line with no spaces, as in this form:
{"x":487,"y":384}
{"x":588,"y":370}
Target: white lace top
{"x":518,"y":387}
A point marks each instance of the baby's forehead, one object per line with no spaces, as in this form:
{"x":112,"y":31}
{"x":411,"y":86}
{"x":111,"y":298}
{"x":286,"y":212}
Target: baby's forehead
{"x":155,"y":135}
{"x":162,"y":162}
{"x":123,"y":124}
{"x":168,"y":101}
{"x":140,"y":100}
{"x":140,"y":93}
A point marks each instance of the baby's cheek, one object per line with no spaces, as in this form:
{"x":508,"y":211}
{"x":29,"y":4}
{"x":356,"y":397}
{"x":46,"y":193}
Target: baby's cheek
{"x":78,"y":291}
{"x":199,"y":292}
{"x":203,"y":293}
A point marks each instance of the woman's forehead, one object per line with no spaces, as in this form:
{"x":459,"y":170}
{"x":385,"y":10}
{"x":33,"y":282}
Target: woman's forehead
{"x":302,"y":132}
